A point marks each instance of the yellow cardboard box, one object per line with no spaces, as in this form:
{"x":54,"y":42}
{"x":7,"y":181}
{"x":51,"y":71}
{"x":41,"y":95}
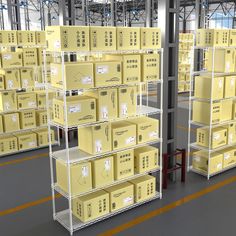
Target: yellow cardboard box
{"x":127,"y":101}
{"x":102,"y":38}
{"x":145,"y":159}
{"x":107,"y":103}
{"x":201,"y":162}
{"x":40,"y":37}
{"x":231,"y":128}
{"x":91,"y":206}
{"x":147,"y":129}
{"x":103,"y":171}
{"x":26,"y":140}
{"x":123,"y":135}
{"x":41,"y":118}
{"x":150,"y":38}
{"x":30,"y":57}
{"x":121,"y":195}
{"x":229,"y":157}
{"x":8,"y":38}
{"x":8,"y":144}
{"x":49,"y":57}
{"x":41,"y":98}
{"x":11,"y":122}
{"x":26,"y":38}
{"x":27,"y":119}
{"x":218,"y":137}
{"x":144,"y":188}
{"x":204,"y":85}
{"x":230,"y":87}
{"x":27,"y":77}
{"x":67,"y":38}
{"x":42,"y":137}
{"x":131,"y":67}
{"x":8,"y":101}
{"x":11,"y":77}
{"x":224,"y":60}
{"x":150,"y":67}
{"x":226,"y":110}
{"x":95,"y":139}
{"x":76,"y":76}
{"x":26,"y":100}
{"x":80,"y":110}
{"x":107,"y":73}
{"x":212,"y":37}
{"x":128,"y":38}
{"x":124,"y":164}
{"x":80,"y":176}
{"x":11,"y":59}
{"x":202,"y":112}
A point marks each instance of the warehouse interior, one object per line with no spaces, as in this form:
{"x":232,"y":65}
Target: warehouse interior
{"x":117,"y":117}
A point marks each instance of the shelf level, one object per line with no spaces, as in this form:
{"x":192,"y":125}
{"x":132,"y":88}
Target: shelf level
{"x":208,"y":149}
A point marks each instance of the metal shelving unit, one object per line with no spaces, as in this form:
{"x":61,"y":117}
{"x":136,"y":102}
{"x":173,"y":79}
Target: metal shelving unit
{"x":71,"y":154}
{"x":193,"y":146}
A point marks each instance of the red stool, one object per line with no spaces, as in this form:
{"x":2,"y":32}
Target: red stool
{"x":166,"y":171}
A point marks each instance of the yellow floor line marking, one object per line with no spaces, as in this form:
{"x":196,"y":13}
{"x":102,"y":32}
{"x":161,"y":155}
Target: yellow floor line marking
{"x":27,"y":205}
{"x":168,"y":207}
{"x":24,"y":159}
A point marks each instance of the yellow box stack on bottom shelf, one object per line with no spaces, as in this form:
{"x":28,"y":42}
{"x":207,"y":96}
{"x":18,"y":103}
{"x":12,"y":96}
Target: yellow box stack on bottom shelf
{"x":201,"y":162}
{"x":11,"y":78}
{"x":123,"y":135}
{"x":144,"y":188}
{"x":76,"y":75}
{"x":67,"y":38}
{"x":26,"y":140}
{"x":121,"y":196}
{"x":202,"y":111}
{"x":27,"y":119}
{"x":80,"y":174}
{"x":8,"y":144}
{"x":150,"y":67}
{"x":124,"y":164}
{"x":127,"y":101}
{"x":229,"y":157}
{"x":145,"y":159}
{"x":42,"y":137}
{"x":147,"y":129}
{"x":91,"y":206}
{"x":11,"y":122}
{"x":103,"y":171}
{"x":26,"y":100}
{"x":80,"y":110}
{"x":95,"y":139}
{"x":219,"y":136}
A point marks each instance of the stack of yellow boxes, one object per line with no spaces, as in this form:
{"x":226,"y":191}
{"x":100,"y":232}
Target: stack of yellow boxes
{"x":186,"y":43}
{"x":23,"y":116}
{"x":119,"y":145}
{"x":214,"y":105}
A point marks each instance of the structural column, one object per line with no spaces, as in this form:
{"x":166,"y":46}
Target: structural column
{"x":13,"y":8}
{"x":66,"y":12}
{"x":148,"y":10}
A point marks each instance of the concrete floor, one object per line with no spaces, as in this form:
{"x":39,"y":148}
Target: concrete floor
{"x":28,"y":181}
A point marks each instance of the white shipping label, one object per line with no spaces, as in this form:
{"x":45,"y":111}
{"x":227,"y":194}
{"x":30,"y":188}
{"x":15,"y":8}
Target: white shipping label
{"x":32,"y":144}
{"x":102,"y":70}
{"x":107,"y":164}
{"x":227,"y":66}
{"x":220,"y":83}
{"x":10,"y":83}
{"x":85,"y":171}
{"x":232,"y":82}
{"x":219,"y":166}
{"x":153,"y":134}
{"x":54,"y":71}
{"x":25,"y":82}
{"x":216,"y":136}
{"x":7,"y":106}
{"x":128,"y":200}
{"x":130,"y":140}
{"x":230,"y":138}
{"x":32,"y":104}
{"x":7,"y":57}
{"x":74,"y":109}
{"x":124,"y":109}
{"x":226,"y":156}
{"x":98,"y":146}
{"x":57,"y":44}
{"x":87,"y":80}
{"x":13,"y":118}
{"x":104,"y":112}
